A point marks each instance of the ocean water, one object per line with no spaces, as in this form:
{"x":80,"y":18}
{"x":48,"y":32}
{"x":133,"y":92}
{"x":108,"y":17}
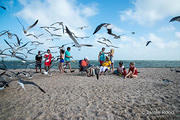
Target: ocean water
{"x":138,"y":64}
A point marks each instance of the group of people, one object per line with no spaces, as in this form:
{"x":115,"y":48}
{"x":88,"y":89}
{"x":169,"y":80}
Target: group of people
{"x":105,"y":60}
{"x":64,"y":58}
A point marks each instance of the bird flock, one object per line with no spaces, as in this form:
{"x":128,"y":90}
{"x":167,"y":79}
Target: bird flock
{"x":20,"y":49}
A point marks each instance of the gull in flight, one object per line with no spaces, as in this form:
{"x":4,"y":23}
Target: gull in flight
{"x":148,"y":43}
{"x":108,"y":26}
{"x":107,"y":44}
{"x":177,"y":18}
{"x":74,"y":40}
{"x":28,"y":28}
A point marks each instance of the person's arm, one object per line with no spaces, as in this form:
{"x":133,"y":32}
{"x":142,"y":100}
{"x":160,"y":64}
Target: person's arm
{"x":106,"y":52}
{"x":128,"y":73}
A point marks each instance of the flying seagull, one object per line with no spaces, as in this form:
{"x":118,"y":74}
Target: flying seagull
{"x":148,"y":43}
{"x":82,"y":27}
{"x":75,"y":41}
{"x":105,"y":39}
{"x":107,"y":44}
{"x":35,"y":36}
{"x":108,"y":26}
{"x":177,"y":18}
{"x":31,"y":26}
{"x":3,"y":7}
{"x":60,"y":24}
{"x":52,"y":33}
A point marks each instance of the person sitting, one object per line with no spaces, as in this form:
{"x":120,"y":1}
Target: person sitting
{"x":84,"y":65}
{"x":105,"y":66}
{"x":132,"y":73}
{"x":121,"y":70}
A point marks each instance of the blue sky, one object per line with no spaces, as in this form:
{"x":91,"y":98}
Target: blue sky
{"x":148,"y":18}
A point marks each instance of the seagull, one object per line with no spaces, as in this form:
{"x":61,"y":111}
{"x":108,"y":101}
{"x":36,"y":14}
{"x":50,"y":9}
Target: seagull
{"x":47,"y":27}
{"x":53,"y":34}
{"x":177,"y":18}
{"x":75,"y":41}
{"x":35,"y":35}
{"x":109,"y":29}
{"x":31,"y":26}
{"x":105,"y":39}
{"x":52,"y":39}
{"x":148,"y":43}
{"x":3,"y":84}
{"x":3,"y":32}
{"x":3,"y":7}
{"x":82,"y":27}
{"x":36,"y":43}
{"x":22,"y":82}
{"x":29,"y":51}
{"x":106,"y":44}
{"x":60,"y":24}
{"x":60,"y":47}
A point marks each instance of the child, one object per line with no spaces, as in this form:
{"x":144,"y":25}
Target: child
{"x":121,"y":70}
{"x":105,"y":66}
{"x":132,"y":73}
{"x":61,"y":62}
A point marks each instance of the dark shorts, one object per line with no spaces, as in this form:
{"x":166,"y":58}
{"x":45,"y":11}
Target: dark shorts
{"x":38,"y":64}
{"x":83,"y":68}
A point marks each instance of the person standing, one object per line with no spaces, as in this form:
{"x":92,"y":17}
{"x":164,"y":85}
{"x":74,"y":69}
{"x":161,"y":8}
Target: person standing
{"x":67,"y":58}
{"x":111,"y":55}
{"x":38,"y":61}
{"x":101,"y":56}
{"x":48,"y":57}
{"x":61,"y":62}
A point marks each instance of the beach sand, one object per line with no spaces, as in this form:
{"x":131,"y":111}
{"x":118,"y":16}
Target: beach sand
{"x":75,"y":96}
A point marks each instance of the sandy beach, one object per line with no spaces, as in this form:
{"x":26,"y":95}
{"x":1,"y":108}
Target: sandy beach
{"x":74,"y":96}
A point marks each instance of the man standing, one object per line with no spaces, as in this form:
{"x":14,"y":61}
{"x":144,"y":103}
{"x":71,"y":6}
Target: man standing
{"x":67,"y":58}
{"x":38,"y":60}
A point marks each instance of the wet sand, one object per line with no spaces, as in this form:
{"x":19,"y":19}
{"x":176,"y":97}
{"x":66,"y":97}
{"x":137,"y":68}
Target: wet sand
{"x":74,"y":96}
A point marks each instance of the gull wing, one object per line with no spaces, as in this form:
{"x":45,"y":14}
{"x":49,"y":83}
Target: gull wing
{"x":71,"y":36}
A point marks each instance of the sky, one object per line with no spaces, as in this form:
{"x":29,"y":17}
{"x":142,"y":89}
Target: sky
{"x":149,"y":19}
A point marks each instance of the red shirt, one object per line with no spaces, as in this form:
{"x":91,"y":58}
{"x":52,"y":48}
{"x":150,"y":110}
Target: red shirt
{"x":84,"y":63}
{"x":48,"y":58}
{"x":133,"y":69}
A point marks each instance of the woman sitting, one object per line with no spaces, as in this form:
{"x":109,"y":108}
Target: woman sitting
{"x":105,"y":66}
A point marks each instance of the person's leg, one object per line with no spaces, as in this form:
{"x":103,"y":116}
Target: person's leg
{"x":69,"y":64}
{"x":36,"y":68}
{"x":133,"y":76}
{"x":59,"y":66}
{"x":112,"y":67}
{"x":101,"y":70}
{"x":62,"y":68}
{"x":40,"y":68}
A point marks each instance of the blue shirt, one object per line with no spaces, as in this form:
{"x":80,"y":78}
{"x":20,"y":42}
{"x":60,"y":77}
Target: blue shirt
{"x":68,"y":54}
{"x":102,"y":56}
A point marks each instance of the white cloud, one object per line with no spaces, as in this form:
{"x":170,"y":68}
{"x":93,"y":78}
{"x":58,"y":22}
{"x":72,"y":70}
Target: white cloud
{"x":177,"y":34}
{"x":149,"y":11}
{"x":167,"y":28}
{"x":50,"y":11}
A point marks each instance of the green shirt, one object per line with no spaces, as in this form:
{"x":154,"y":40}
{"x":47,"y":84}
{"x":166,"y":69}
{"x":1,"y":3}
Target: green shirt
{"x":68,"y":54}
